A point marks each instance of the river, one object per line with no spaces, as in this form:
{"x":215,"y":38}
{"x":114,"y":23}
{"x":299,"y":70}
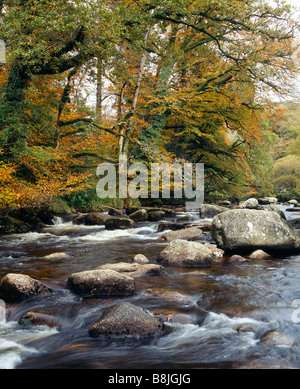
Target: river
{"x":215,"y":302}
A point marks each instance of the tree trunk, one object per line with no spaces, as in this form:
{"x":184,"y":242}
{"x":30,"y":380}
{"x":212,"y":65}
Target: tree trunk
{"x":142,"y":64}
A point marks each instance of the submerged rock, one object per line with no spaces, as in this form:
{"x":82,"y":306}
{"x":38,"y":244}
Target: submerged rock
{"x":101,"y":283}
{"x":57,"y":256}
{"x":181,"y":253}
{"x":126,"y":320}
{"x":249,"y":230}
{"x":168,"y":295}
{"x":275,"y":338}
{"x":36,"y":318}
{"x":15,"y":287}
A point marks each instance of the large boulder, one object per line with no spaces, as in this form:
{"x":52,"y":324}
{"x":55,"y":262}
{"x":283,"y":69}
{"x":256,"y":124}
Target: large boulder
{"x":16,"y":287}
{"x":209,"y":211}
{"x":247,"y":230}
{"x":118,"y":223}
{"x":126,"y":320}
{"x":101,"y":283}
{"x":181,"y":253}
{"x":193,"y":233}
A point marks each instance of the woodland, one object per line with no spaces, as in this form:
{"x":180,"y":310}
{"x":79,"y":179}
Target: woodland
{"x":201,"y":81}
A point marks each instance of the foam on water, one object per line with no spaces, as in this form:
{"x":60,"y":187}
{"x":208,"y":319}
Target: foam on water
{"x":14,"y":340}
{"x":215,"y":329}
{"x":149,"y":232}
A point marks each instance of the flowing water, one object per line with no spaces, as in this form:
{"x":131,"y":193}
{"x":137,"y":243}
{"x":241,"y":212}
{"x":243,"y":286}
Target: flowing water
{"x":214,"y":302}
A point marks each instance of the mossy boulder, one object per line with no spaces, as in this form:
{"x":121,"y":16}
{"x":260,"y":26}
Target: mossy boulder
{"x":10,"y":225}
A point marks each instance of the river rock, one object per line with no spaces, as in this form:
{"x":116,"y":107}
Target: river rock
{"x":183,"y":218}
{"x":141,"y":259}
{"x":267,"y":200}
{"x":116,"y":212}
{"x":176,"y":318}
{"x":193,"y":233}
{"x":246,"y":328}
{"x":96,"y":218}
{"x":139,"y":216}
{"x":126,"y":320}
{"x":216,"y":252}
{"x":224,"y":203}
{"x":259,"y":254}
{"x":155,"y":216}
{"x":181,"y":253}
{"x":118,"y":223}
{"x":16,"y":287}
{"x":79,"y":219}
{"x":275,"y":338}
{"x":294,"y":209}
{"x":209,"y":211}
{"x":134,"y":270}
{"x":250,"y":230}
{"x":173,"y":226}
{"x":293,"y":202}
{"x":237,"y":258}
{"x":294,"y":223}
{"x":35,"y":318}
{"x":251,"y":203}
{"x":204,"y":225}
{"x":101,"y":283}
